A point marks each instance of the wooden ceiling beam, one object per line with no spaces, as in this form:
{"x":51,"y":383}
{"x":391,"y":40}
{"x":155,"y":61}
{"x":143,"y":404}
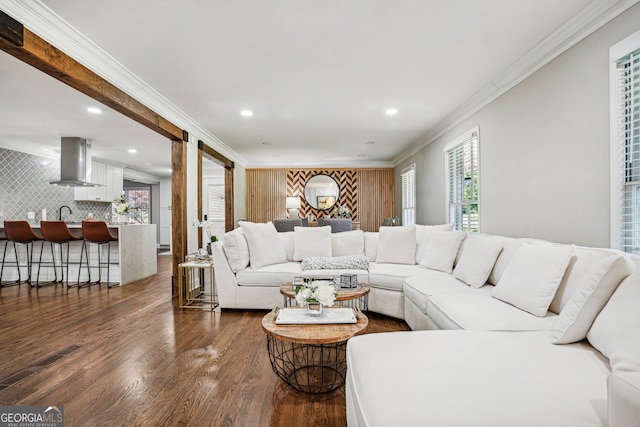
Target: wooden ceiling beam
{"x":35,"y":51}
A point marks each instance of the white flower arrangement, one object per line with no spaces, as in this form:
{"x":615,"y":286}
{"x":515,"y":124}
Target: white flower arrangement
{"x":207,"y":228}
{"x":121,"y":205}
{"x":314,"y":292}
{"x":343,"y":212}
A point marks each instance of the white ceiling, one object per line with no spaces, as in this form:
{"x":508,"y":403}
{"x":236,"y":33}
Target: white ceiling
{"x":317,"y":75}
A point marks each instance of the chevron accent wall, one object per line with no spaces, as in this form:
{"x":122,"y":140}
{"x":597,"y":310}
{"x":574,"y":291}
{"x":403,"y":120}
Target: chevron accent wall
{"x":368,"y":193}
{"x":347,"y":181}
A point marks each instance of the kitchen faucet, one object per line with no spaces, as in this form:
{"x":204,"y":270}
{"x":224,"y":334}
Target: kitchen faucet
{"x":60,"y":211}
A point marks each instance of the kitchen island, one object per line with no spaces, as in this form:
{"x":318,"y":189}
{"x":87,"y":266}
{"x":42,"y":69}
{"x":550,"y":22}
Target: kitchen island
{"x":133,"y":256}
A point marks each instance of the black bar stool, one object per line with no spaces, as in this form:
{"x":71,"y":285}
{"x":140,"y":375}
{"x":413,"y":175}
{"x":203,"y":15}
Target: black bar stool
{"x":3,"y":239}
{"x":56,"y":233}
{"x":21,"y":232}
{"x":96,"y":232}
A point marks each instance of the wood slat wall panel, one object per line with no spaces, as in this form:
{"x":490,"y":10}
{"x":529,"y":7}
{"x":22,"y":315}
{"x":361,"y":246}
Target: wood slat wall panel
{"x":376,"y":201}
{"x":266,"y":194}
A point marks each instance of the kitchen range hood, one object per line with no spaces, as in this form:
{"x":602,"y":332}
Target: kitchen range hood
{"x":75,"y":163}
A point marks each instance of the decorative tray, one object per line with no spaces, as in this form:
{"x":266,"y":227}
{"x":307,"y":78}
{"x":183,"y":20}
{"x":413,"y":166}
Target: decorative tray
{"x":330,"y":315}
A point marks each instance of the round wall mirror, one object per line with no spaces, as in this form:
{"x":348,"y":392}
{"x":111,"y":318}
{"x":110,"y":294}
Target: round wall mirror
{"x":321,"y":192}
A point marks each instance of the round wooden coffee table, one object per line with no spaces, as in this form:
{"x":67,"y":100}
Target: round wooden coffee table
{"x":354,"y":297}
{"x":311,"y":358}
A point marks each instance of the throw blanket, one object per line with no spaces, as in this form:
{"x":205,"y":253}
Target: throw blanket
{"x":348,"y":262}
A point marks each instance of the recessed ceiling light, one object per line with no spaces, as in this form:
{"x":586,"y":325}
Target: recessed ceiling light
{"x":369,"y":143}
{"x":246,"y":113}
{"x":133,"y":150}
{"x":391,"y":111}
{"x":94,"y":110}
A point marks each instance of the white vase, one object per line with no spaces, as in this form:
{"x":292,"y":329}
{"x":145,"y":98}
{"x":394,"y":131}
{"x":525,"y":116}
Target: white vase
{"x":314,"y":309}
{"x":123,"y":219}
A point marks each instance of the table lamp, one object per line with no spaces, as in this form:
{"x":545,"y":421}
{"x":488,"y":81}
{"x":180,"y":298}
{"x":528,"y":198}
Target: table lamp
{"x":293,"y":204}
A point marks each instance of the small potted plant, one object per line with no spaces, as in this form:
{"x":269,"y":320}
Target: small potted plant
{"x":343,"y":212}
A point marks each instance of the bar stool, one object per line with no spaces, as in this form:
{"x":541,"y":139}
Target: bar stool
{"x":21,"y":232}
{"x":96,"y":232}
{"x":56,"y":232}
{"x":3,"y":239}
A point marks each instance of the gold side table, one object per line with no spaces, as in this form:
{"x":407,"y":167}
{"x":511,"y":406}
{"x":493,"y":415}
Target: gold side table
{"x":191,"y":292}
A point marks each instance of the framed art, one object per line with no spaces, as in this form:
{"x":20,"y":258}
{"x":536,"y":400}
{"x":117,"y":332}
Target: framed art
{"x":325,"y":202}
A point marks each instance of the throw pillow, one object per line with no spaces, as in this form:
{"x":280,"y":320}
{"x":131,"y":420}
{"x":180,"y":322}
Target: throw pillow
{"x":371,"y":239}
{"x":397,"y":245}
{"x":422,"y":233}
{"x":441,"y":249}
{"x":596,"y":287}
{"x":347,"y":243}
{"x":478,"y":257}
{"x":615,"y":331}
{"x":311,"y":241}
{"x":237,"y":250}
{"x":532,"y":277}
{"x":265,"y":247}
{"x":347,"y":262}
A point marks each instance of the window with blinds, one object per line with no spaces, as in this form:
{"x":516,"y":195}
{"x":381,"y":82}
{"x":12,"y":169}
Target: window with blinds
{"x":216,"y":203}
{"x":409,"y":195}
{"x":628,"y":153}
{"x":461,"y":158}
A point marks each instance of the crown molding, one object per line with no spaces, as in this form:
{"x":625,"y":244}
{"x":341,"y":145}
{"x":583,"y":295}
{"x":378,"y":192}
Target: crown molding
{"x":585,"y":22}
{"x":48,"y":25}
{"x":320,"y":165}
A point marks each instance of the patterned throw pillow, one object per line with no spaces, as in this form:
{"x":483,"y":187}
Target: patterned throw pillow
{"x":347,"y":262}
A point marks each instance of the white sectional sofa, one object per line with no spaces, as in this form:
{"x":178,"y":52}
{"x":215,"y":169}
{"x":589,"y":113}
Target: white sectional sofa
{"x":512,"y":339}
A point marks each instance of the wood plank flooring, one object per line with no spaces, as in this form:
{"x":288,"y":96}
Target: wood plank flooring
{"x":127,"y":356}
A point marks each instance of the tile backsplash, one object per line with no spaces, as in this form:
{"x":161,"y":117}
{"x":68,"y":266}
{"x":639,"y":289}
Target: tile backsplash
{"x":24,"y":187}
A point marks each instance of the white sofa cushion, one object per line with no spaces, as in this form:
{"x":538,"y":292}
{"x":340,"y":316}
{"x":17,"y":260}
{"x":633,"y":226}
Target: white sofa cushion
{"x":422,"y":232}
{"x":347,"y":243}
{"x":371,"y":239}
{"x":585,"y":304}
{"x":265,"y":247}
{"x":623,"y":390}
{"x":236,"y":249}
{"x":287,"y":239}
{"x":420,"y":286}
{"x":509,"y":247}
{"x":533,"y":276}
{"x":477,"y":259}
{"x":270,"y":275}
{"x":615,"y":332}
{"x":581,"y":262}
{"x":397,"y":245}
{"x":311,"y":241}
{"x":479,"y":311}
{"x":441,"y":249}
{"x":390,"y":276}
{"x":473,"y":378}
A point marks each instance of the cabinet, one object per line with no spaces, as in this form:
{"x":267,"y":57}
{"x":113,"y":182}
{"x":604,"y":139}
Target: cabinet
{"x":110,"y":179}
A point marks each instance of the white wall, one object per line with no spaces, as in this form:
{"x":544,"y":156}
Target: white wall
{"x":544,"y":150}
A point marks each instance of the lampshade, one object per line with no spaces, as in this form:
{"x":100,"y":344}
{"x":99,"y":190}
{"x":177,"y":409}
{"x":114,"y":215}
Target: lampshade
{"x":293,"y":203}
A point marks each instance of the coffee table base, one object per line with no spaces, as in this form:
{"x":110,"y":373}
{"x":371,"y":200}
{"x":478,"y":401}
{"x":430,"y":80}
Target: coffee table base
{"x":311,"y":368}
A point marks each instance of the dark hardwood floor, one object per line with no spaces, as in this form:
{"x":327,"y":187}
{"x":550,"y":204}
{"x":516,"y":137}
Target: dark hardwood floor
{"x":127,"y":356}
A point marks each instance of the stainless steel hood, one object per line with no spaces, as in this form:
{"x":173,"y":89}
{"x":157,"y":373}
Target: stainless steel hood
{"x":75,"y":163}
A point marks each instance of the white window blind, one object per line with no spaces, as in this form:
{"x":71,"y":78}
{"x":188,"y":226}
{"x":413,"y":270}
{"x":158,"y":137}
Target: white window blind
{"x":628,"y":130}
{"x":409,"y":195}
{"x":216,"y":203}
{"x":463,"y":182}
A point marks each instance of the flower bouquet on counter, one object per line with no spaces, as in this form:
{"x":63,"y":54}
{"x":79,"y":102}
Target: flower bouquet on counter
{"x":121,"y":205}
{"x":315,"y":294}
